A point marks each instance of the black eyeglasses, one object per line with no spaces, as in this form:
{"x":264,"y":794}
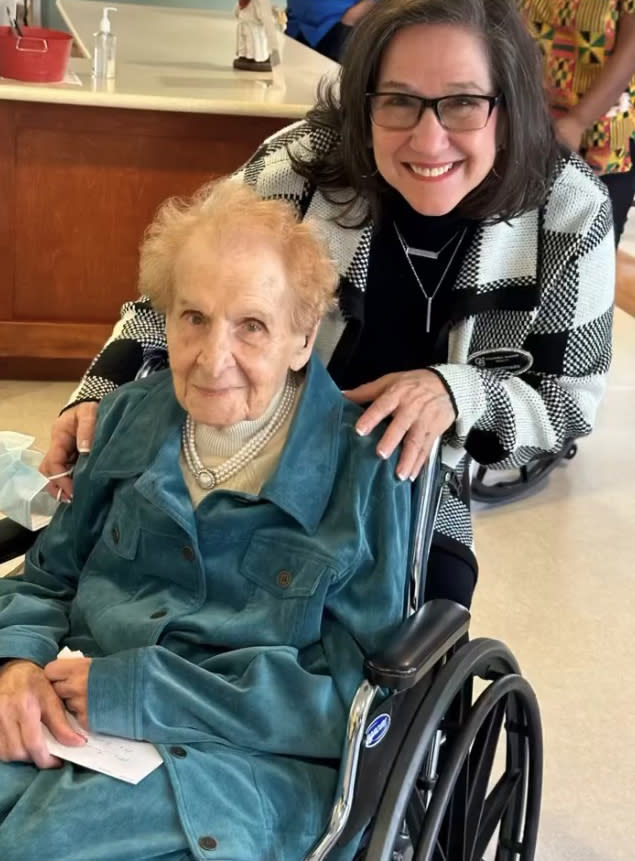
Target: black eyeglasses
{"x":462,"y":112}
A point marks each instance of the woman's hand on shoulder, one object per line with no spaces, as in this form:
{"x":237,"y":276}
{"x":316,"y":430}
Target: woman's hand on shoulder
{"x":421,"y":411}
{"x":27,"y":700}
{"x":72,"y":432}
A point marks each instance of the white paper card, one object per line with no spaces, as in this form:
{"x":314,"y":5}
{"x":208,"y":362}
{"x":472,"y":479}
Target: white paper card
{"x":121,"y":758}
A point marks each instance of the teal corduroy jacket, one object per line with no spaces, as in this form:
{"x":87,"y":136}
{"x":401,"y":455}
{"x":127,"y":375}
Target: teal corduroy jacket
{"x":235,"y":631}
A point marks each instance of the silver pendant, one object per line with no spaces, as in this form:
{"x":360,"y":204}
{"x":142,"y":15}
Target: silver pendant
{"x":422,"y":252}
{"x":206,"y":479}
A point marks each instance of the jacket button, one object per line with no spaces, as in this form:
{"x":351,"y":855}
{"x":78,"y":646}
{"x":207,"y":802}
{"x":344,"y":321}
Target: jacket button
{"x":179,"y":752}
{"x":115,"y":534}
{"x":207,"y":843}
{"x":158,"y":614}
{"x":188,"y":553}
{"x":284,"y":579}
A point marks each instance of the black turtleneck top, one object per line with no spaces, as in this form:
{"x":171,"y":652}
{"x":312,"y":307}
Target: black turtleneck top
{"x":393,"y":333}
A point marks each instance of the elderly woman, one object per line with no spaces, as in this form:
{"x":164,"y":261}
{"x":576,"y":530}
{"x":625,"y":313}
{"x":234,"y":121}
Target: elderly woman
{"x":476,"y":259}
{"x":232,"y":550}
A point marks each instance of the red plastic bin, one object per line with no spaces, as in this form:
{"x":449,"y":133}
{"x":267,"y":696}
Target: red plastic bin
{"x":39,"y":55}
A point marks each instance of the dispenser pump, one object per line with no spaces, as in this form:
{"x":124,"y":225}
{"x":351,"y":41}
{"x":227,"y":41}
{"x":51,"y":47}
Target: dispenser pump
{"x":105,"y":50}
{"x":104,"y":25}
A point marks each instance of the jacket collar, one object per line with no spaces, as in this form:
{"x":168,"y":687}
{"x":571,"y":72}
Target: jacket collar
{"x":303,"y":480}
{"x":146,"y":443}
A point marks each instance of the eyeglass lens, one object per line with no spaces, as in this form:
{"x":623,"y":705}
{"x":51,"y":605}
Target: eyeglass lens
{"x":456,"y":113}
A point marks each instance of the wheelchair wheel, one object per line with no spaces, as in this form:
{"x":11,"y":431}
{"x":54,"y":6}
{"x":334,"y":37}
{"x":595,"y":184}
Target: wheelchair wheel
{"x":529,"y":478}
{"x":449,"y":797}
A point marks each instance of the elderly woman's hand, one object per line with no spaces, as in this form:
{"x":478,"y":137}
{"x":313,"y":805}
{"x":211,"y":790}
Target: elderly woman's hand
{"x":69,"y":677}
{"x":27,"y":700}
{"x":421,"y":411}
{"x":72,"y":431}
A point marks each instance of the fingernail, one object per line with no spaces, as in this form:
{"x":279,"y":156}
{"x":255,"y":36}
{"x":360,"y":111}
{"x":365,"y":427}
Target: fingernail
{"x":382,"y":454}
{"x":402,"y":476}
{"x":413,"y":478}
{"x":361,"y":431}
{"x":84,"y":448}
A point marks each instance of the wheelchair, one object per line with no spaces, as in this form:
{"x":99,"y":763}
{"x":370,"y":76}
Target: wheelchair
{"x":529,"y":478}
{"x":442,"y":759}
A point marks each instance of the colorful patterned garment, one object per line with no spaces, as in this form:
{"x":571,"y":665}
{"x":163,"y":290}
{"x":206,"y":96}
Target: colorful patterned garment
{"x":576,"y":37}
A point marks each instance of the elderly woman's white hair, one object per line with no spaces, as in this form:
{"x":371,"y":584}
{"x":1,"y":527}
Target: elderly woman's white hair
{"x":226,"y":210}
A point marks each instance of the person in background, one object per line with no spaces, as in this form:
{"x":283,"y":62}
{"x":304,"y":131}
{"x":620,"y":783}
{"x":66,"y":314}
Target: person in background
{"x":324,"y":25}
{"x":475,"y":257}
{"x":588,"y":48}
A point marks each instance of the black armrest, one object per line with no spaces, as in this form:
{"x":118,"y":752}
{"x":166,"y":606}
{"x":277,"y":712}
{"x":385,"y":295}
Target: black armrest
{"x":418,"y":644}
{"x":14,"y":539}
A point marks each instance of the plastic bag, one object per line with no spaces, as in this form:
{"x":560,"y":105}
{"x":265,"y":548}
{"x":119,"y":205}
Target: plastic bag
{"x":22,"y":494}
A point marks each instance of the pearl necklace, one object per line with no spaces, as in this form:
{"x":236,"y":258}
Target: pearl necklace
{"x":208,"y":478}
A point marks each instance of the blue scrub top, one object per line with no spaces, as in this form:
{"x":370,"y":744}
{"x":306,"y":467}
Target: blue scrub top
{"x":314,"y":18}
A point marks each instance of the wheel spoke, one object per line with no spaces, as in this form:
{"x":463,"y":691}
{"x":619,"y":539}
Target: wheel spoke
{"x":496,"y":803}
{"x":415,"y":814}
{"x":455,"y":817}
{"x":439,"y":854}
{"x":481,"y":763}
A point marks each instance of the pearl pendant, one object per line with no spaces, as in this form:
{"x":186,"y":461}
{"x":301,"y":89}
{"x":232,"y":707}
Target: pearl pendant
{"x":206,"y":479}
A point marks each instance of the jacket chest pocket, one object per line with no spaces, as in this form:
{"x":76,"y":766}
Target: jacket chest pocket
{"x":285,"y":607}
{"x":110,"y":575}
{"x":136,"y":560}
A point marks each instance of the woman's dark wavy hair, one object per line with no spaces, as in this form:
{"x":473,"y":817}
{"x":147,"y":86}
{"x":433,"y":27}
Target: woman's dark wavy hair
{"x":528,"y":146}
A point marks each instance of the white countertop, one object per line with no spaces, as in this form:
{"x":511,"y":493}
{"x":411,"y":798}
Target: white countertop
{"x":176,"y":59}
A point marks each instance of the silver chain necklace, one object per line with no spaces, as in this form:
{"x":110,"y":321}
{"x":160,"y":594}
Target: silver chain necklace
{"x":208,"y":478}
{"x":424,"y":252}
{"x":429,"y":297}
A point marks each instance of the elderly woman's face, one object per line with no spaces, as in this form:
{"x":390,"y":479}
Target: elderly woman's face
{"x":230,"y":336}
{"x":431,"y":167}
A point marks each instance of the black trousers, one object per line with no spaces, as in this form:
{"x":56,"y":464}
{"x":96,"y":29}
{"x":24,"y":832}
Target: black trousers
{"x":621,"y":189}
{"x":449,"y":576}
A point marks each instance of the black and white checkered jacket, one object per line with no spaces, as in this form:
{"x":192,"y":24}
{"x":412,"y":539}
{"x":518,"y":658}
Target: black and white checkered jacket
{"x":541,"y":284}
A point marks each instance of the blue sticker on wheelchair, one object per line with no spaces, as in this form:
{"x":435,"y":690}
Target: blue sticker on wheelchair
{"x":376,"y":730}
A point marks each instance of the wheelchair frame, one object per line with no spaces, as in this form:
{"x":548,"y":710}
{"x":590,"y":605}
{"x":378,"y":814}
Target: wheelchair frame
{"x":530,"y":477}
{"x":433,"y":800}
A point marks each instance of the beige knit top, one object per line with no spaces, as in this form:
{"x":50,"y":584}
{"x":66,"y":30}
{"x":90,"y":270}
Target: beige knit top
{"x":215,"y":445}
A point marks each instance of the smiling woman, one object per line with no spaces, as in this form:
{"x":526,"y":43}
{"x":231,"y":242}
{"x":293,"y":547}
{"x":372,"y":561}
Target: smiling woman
{"x":441,"y":155}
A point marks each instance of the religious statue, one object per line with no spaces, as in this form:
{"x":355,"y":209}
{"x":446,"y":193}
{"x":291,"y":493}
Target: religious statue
{"x":256,"y":36}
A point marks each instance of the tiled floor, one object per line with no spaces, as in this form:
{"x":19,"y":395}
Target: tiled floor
{"x":558,"y":585}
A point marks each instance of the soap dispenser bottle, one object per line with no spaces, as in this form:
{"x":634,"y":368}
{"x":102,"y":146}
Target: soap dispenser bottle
{"x":105,"y":49}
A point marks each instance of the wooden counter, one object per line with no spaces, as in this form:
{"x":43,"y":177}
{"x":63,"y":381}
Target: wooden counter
{"x":82,"y":172}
